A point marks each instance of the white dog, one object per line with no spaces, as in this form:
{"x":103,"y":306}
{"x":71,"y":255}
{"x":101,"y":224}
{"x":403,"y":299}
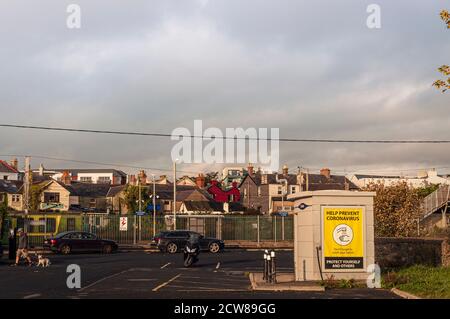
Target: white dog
{"x":44,"y":262}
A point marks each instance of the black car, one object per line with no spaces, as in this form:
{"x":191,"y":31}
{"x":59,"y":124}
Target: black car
{"x":76,"y":241}
{"x":174,"y":241}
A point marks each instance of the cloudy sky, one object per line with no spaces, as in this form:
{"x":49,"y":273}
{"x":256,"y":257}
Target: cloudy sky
{"x":313,"y":69}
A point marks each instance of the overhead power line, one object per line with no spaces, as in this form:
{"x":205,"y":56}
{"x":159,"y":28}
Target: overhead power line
{"x":303,"y":140}
{"x":95,"y":163}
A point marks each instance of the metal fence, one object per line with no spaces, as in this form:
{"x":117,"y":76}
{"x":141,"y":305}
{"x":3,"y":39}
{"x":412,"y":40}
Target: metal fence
{"x":133,"y":229}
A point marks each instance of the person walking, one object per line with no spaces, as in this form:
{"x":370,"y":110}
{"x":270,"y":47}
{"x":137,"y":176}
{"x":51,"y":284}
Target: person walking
{"x":22,"y":249}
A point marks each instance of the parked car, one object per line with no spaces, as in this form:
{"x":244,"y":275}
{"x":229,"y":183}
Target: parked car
{"x":75,"y":241}
{"x":175,"y":240}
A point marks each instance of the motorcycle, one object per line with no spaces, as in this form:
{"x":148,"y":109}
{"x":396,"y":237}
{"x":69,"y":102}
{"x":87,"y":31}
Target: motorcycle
{"x":190,"y":255}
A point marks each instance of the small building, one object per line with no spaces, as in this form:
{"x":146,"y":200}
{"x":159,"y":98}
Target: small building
{"x":422,"y":179}
{"x":268,"y":193}
{"x":92,"y":176}
{"x":9,"y":171}
{"x":11,"y":193}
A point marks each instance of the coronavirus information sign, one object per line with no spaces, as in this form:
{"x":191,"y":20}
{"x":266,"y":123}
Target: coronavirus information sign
{"x":343,"y":237}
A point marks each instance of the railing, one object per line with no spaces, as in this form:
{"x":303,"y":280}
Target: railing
{"x":140,"y":229}
{"x":436,"y":200}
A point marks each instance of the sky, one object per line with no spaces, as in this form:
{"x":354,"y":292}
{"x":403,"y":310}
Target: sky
{"x":313,"y":69}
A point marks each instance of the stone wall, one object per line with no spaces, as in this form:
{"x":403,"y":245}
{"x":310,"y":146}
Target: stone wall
{"x":403,"y":252}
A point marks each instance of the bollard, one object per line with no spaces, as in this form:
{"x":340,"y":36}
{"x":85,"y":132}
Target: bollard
{"x":265,"y":267}
{"x":273,"y":267}
{"x":269,"y":272}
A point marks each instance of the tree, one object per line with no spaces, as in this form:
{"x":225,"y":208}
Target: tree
{"x":427,"y":190}
{"x":211,"y":176}
{"x":444,"y":84}
{"x":3,"y":216}
{"x":396,"y":209}
{"x":132,"y":197}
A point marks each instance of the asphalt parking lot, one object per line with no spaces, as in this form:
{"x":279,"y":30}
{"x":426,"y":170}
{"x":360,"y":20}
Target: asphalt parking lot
{"x":155,"y":275}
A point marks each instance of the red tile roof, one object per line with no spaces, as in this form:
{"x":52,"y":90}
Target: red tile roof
{"x":6,"y":168}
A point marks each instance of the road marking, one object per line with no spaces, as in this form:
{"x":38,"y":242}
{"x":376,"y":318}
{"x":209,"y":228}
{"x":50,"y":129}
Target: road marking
{"x":32,"y":296}
{"x":144,"y":279}
{"x":218,"y":265}
{"x":166,"y":283}
{"x":103,"y":279}
{"x":162,"y":267}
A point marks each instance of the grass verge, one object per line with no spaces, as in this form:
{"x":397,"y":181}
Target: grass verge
{"x":422,"y":281}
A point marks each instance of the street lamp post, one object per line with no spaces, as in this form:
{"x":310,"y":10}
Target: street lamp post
{"x":154,"y":206}
{"x":175,"y":194}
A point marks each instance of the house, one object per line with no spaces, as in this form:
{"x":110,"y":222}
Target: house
{"x":11,"y":193}
{"x":232,"y":175}
{"x":115,"y":200}
{"x":164,"y":197}
{"x":9,"y":171}
{"x":186,"y":180}
{"x":224,"y":195}
{"x":66,"y":195}
{"x":423,"y":179}
{"x":94,"y":176}
{"x":267,"y":193}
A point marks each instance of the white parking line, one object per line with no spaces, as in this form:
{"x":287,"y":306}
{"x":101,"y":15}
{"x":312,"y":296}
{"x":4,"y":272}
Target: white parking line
{"x":166,"y":283}
{"x":162,"y":267}
{"x":103,"y":279}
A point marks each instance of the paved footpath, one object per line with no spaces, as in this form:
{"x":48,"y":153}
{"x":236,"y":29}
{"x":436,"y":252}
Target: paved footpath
{"x":156,"y":275}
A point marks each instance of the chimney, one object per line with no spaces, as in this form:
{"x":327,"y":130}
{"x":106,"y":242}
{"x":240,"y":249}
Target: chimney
{"x":285,"y":170}
{"x":41,"y":170}
{"x":142,"y":177}
{"x":132,"y":180}
{"x":14,"y":163}
{"x":200,"y":181}
{"x":250,"y":169}
{"x":65,"y":178}
{"x":325,"y":172}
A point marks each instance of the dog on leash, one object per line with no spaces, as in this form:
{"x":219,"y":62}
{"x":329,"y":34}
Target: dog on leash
{"x":42,"y":261}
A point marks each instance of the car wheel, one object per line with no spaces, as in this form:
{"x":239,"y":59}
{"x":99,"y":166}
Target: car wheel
{"x":107,"y":249}
{"x":172,"y":248}
{"x":214,"y":248}
{"x":65,"y":249}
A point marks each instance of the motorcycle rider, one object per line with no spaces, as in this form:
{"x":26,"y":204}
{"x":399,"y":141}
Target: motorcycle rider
{"x":193,"y":242}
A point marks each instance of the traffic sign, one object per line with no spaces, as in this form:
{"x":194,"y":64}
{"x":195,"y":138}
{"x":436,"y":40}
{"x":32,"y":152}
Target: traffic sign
{"x":140,"y":213}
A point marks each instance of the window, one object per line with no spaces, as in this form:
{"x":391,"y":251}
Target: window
{"x":86,"y":179}
{"x":51,"y":225}
{"x":5,"y":177}
{"x":92,"y":203}
{"x":73,"y":236}
{"x":2,"y":197}
{"x":280,"y":190}
{"x":104,"y":180}
{"x":15,"y":198}
{"x":51,"y":197}
{"x":70,"y":224}
{"x":245,"y":192}
{"x":259,"y":191}
{"x":293,"y":189}
{"x":88,"y":236}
